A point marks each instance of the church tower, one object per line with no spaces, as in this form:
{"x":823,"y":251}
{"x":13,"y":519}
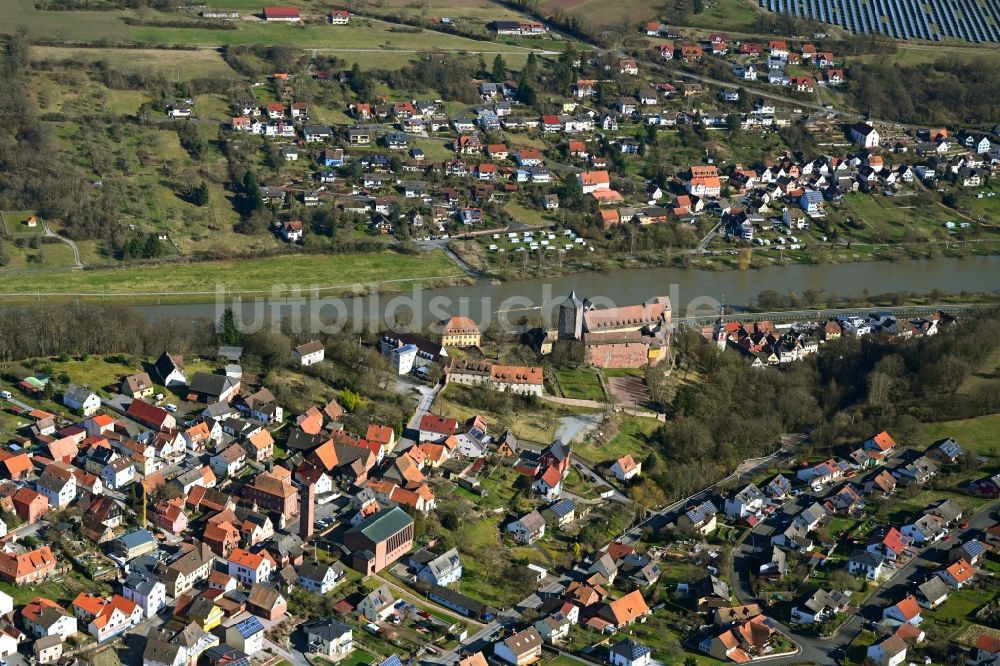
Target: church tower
{"x":571,"y":318}
{"x":720,"y":328}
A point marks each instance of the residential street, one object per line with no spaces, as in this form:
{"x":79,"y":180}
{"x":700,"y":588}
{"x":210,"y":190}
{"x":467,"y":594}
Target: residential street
{"x":830,"y":650}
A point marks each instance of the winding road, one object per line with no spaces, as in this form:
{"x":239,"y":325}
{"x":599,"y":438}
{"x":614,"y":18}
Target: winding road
{"x":76,"y":251}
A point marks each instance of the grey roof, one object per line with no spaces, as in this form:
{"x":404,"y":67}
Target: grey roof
{"x":211,"y":384}
{"x":827,"y":599}
{"x":473,"y":606}
{"x":164,"y":652}
{"x":933,"y":588}
{"x":326,"y":630}
{"x":532,"y":521}
{"x":141,"y":582}
{"x":749,"y":494}
{"x":444,"y":564}
{"x":77,"y":394}
{"x":230,"y":353}
{"x":630,"y":649}
{"x":811,"y":514}
{"x":380,"y":597}
{"x":317,"y":571}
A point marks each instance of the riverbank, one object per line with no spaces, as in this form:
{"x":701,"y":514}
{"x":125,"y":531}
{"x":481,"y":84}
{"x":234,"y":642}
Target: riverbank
{"x":293,"y":276}
{"x":509,"y":266}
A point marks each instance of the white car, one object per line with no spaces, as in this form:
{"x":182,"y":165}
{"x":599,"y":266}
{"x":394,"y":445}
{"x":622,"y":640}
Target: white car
{"x":170,"y":407}
{"x":5,"y":395}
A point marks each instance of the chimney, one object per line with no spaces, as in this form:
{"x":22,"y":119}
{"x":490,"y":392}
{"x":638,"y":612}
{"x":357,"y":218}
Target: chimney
{"x":307,"y":510}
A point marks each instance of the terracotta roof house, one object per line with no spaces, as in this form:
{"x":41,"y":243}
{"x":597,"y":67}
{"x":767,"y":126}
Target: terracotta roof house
{"x":624,"y":611}
{"x":27,"y":567}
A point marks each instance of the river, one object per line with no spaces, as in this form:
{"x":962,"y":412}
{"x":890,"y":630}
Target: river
{"x":691,"y":291}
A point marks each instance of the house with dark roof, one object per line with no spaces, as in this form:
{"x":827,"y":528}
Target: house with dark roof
{"x":169,"y":369}
{"x":329,"y":638}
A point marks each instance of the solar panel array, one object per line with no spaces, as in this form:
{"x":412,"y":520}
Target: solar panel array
{"x":933,"y":20}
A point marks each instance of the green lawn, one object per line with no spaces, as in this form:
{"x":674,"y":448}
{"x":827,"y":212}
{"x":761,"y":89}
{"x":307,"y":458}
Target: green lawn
{"x":978,"y":434}
{"x":960,"y":609}
{"x":357,"y":658}
{"x":580,"y":384}
{"x":329,"y":273}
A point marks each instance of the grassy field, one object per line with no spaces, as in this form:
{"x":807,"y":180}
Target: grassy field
{"x":46,"y":255}
{"x":363,"y":35}
{"x":898,"y":218}
{"x":978,"y":434}
{"x":330,"y":273}
{"x":182,"y":65}
{"x":633,"y":438}
{"x":77,"y":26}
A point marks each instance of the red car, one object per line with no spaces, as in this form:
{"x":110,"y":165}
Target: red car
{"x":946,"y":537}
{"x":424,"y":614}
{"x":965,"y":525}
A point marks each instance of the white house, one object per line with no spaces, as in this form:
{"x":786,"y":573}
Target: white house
{"x":148,"y":592}
{"x":321,"y":578}
{"x":329,"y":638}
{"x":748,"y":502}
{"x":309,"y":353}
{"x":528,"y":528}
{"x":864,"y":134}
{"x":521,"y":648}
{"x":229,"y":461}
{"x":250,"y":568}
{"x":626,"y":468}
{"x":246,"y":635}
{"x":629,"y":653}
{"x":906,"y":611}
{"x":58,"y":483}
{"x":888,"y":652}
{"x":549,"y":484}
{"x":81,"y":399}
{"x":47,"y":618}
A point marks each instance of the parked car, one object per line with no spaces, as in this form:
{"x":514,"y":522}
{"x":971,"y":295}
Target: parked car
{"x":5,"y":395}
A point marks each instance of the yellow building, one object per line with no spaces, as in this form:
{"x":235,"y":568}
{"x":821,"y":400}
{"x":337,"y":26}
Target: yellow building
{"x":460,"y":332}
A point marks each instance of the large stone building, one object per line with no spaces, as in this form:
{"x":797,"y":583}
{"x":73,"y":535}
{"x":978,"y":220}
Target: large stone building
{"x":379,"y":540}
{"x":632,"y":336}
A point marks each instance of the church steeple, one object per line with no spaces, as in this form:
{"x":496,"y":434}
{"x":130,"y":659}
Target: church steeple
{"x":720,"y":326}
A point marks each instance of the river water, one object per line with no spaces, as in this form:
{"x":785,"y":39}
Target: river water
{"x":692,"y":291}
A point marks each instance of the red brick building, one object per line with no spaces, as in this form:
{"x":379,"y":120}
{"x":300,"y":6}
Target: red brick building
{"x":30,"y":505}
